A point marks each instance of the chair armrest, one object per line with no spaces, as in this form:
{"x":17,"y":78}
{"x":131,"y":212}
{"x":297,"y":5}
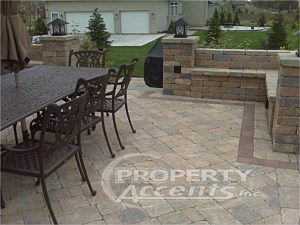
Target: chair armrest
{"x":14,"y":149}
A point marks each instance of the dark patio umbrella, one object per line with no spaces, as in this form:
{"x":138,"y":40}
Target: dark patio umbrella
{"x":15,"y":41}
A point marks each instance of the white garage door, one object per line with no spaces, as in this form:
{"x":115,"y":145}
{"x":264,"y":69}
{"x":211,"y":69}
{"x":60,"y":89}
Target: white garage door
{"x":82,"y":20}
{"x":135,"y":22}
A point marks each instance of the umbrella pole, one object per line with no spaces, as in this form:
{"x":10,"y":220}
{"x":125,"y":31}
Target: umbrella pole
{"x":17,"y":80}
{"x":23,"y":122}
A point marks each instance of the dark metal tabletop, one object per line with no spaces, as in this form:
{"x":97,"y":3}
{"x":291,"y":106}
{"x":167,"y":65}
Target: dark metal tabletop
{"x":39,"y":86}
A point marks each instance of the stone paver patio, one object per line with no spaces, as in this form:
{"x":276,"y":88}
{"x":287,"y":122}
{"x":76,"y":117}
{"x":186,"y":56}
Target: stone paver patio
{"x":210,"y":144}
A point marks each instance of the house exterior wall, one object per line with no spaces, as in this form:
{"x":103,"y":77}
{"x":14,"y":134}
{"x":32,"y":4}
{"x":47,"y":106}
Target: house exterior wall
{"x":159,"y":9}
{"x":195,"y":12}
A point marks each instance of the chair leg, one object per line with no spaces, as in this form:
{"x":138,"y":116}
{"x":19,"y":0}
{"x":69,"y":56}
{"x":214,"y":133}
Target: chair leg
{"x":15,"y":133}
{"x":127,"y":112}
{"x":116,"y":130}
{"x":80,"y":168}
{"x":86,"y":175}
{"x":45,"y":192}
{"x":106,"y":138}
{"x":2,"y":201}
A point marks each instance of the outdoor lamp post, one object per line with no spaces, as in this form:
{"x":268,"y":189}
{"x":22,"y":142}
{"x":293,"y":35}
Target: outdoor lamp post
{"x":297,"y":33}
{"x":180,"y":28}
{"x":58,"y":27}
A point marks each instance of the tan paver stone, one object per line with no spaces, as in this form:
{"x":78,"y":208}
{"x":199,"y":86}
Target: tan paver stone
{"x":287,"y":177}
{"x":274,"y":220}
{"x":59,"y":194}
{"x":133,"y":215}
{"x":245,"y":214}
{"x":68,"y":204}
{"x":83,"y":215}
{"x":150,"y":221}
{"x":19,"y":204}
{"x":156,"y":208}
{"x":14,"y":218}
{"x":193,"y":215}
{"x":215,"y":214}
{"x":198,"y":162}
{"x":110,"y":207}
{"x":252,"y":183}
{"x":36,"y":216}
{"x":290,"y":216}
{"x":179,"y":204}
{"x":289,"y":197}
{"x":174,"y":218}
{"x":112,"y":218}
{"x":100,"y":222}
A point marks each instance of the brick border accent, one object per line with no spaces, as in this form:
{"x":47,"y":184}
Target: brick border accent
{"x":246,"y":144}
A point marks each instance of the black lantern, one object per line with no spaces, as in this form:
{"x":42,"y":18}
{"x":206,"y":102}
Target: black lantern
{"x":58,"y":27}
{"x":180,"y":28}
{"x":297,"y":33}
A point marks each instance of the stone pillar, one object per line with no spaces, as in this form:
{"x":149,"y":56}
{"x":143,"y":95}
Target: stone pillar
{"x":56,"y":49}
{"x":178,"y":61}
{"x":286,"y":119}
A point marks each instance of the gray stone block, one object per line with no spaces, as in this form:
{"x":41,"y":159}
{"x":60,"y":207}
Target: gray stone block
{"x":219,"y":57}
{"x":168,"y":92}
{"x":133,"y":215}
{"x":236,"y":91}
{"x":286,"y":139}
{"x":289,"y":81}
{"x":289,"y":101}
{"x":185,"y":76}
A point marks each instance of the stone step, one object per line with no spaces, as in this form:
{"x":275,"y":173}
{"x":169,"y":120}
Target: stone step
{"x":228,"y":72}
{"x":271,"y":84}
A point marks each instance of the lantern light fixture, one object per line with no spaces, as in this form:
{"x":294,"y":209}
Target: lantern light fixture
{"x":58,"y":27}
{"x":180,"y":28}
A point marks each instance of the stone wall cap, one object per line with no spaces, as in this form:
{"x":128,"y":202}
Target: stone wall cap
{"x":58,"y":38}
{"x":187,"y":40}
{"x":289,"y":59}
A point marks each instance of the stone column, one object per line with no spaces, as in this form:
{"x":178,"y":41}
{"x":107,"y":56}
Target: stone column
{"x":56,"y":49}
{"x":286,"y":118}
{"x":178,"y":61}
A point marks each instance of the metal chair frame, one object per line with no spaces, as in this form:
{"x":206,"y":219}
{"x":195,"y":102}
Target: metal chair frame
{"x":39,"y":157}
{"x":117,"y":97}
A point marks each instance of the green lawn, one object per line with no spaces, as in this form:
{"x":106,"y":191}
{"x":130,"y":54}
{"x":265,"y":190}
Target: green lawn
{"x":238,"y":37}
{"x":118,"y":55}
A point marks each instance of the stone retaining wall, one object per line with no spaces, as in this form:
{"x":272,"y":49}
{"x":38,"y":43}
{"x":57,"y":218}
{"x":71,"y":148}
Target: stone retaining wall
{"x":56,"y":49}
{"x":237,"y":58}
{"x":35,"y":52}
{"x":286,"y":118}
{"x":228,"y":84}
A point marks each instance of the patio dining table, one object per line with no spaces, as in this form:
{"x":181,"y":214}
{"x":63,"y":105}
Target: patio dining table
{"x":39,"y":86}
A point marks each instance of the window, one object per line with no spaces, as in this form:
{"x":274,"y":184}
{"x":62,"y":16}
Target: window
{"x":174,"y":8}
{"x":54,"y":15}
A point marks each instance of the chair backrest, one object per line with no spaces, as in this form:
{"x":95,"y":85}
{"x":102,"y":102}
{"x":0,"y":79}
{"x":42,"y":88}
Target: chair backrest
{"x":64,"y":122}
{"x":96,"y":95}
{"x":123,"y":79}
{"x":87,"y":58}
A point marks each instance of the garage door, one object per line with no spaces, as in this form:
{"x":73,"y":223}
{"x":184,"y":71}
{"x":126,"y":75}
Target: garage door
{"x":82,"y":20}
{"x":135,"y":22}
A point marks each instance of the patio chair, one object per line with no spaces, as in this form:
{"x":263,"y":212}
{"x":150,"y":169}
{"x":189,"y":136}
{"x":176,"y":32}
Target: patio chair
{"x":87,"y":58}
{"x":117,"y":97}
{"x":41,"y":157}
{"x":93,"y":104}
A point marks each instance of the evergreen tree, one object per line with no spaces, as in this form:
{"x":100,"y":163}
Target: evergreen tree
{"x":236,"y":20}
{"x":222,"y":17}
{"x":98,"y":32}
{"x":40,"y":27}
{"x":216,"y":14}
{"x":229,"y":18}
{"x":262,"y":20}
{"x":214,"y":31}
{"x":277,"y":36}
